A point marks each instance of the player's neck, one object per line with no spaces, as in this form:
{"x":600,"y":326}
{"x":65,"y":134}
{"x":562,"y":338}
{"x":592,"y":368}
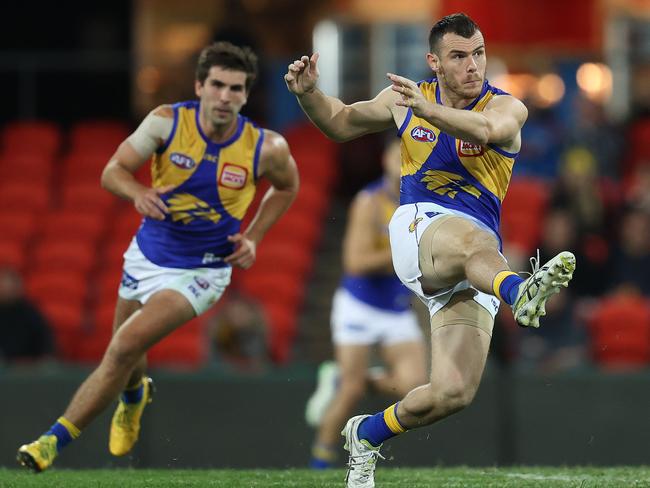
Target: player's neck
{"x":449,"y":98}
{"x":218,"y":133}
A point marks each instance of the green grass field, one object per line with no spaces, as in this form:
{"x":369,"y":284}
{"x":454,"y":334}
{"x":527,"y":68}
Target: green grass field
{"x":580,"y":477}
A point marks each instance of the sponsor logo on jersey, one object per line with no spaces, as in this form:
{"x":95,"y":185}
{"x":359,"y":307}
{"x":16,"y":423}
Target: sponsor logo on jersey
{"x":209,"y":258}
{"x":182,"y":160}
{"x":414,"y":224}
{"x":449,"y":184}
{"x":233,"y":176}
{"x":202,"y":282}
{"x":422,"y":134}
{"x":469,"y":149}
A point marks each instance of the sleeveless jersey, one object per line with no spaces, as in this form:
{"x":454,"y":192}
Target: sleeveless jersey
{"x":455,"y":174}
{"x":214,"y":185}
{"x":380,"y":290}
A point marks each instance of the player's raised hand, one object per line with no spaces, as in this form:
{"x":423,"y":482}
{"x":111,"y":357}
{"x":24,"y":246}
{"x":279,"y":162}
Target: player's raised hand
{"x":245,"y":251}
{"x":411,"y":95}
{"x":149,"y":203}
{"x":302,"y":75}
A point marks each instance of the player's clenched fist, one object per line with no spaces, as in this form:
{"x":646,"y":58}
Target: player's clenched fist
{"x":302,"y":75}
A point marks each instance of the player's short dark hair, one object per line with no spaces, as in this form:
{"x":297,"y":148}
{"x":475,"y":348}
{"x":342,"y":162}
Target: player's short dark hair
{"x":459,"y":23}
{"x":228,"y":56}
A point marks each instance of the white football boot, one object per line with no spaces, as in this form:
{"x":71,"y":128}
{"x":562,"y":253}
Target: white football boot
{"x":328,"y":376}
{"x":544,"y":282}
{"x":363,"y":456}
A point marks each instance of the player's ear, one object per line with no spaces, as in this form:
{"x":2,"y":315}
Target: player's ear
{"x":433,"y":61}
{"x":198,"y":88}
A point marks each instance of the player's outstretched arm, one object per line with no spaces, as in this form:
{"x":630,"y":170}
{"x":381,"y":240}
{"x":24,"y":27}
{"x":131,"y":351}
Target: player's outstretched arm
{"x":118,"y":175}
{"x":499,"y":123}
{"x":278,"y":166}
{"x":335,"y":119}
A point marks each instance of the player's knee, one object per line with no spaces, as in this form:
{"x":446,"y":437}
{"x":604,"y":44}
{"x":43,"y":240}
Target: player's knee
{"x":476,"y":241}
{"x":352,"y":387}
{"x":455,"y":396}
{"x":123,"y":352}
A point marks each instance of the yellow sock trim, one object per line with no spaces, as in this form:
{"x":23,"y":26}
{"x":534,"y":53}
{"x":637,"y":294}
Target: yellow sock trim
{"x":324,"y":453}
{"x":498,"y":279}
{"x":70,"y":427}
{"x":390,"y":417}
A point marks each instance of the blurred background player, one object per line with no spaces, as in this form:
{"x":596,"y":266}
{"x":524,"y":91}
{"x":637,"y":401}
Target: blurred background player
{"x":460,"y":137}
{"x":371,"y":306}
{"x":207,"y":159}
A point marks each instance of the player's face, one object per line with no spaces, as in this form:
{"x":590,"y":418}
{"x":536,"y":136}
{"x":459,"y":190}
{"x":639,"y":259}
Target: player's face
{"x":222,"y":94}
{"x":460,"y":63}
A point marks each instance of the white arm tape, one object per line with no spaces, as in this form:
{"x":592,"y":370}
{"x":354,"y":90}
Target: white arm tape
{"x":151,"y":134}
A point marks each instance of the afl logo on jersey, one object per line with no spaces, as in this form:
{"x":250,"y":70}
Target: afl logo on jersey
{"x":182,"y":161}
{"x":422,"y":134}
{"x":233,"y":176}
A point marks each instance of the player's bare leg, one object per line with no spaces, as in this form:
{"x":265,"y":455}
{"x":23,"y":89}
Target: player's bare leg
{"x":125,"y":424}
{"x":165,"y":311}
{"x":454,"y":249}
{"x":352,"y":362}
{"x":460,"y":340}
{"x":405,"y":369}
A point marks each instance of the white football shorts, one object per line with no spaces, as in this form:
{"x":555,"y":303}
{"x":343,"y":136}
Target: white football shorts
{"x":141,"y":278}
{"x":406,"y":228}
{"x":357,"y":323}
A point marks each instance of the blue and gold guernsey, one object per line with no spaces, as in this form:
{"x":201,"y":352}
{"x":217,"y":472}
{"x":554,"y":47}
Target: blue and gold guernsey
{"x":384,"y":291}
{"x":214,"y":185}
{"x":452,"y":173}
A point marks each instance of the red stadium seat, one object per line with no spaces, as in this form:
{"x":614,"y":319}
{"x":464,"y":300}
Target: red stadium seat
{"x":89,"y":197}
{"x":91,"y":135}
{"x":17,"y":227}
{"x":24,"y":197}
{"x":282,"y":321}
{"x":620,"y":332}
{"x":47,"y":285}
{"x":179,"y":351}
{"x":64,"y":315}
{"x":64,"y":256}
{"x":125,"y":225}
{"x":273,"y":287}
{"x":72,"y":224}
{"x":12,"y":255}
{"x":26,"y":168}
{"x":31,"y":137}
{"x":292,"y":260}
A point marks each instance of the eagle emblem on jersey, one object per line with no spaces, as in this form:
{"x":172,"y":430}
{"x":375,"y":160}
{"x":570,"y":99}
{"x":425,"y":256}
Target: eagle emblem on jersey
{"x":449,"y":184}
{"x":185,"y":207}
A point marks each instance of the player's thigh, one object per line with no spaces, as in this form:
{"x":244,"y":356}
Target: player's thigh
{"x":164,"y":311}
{"x":123,"y":310}
{"x":353,"y":361}
{"x":406,"y":362}
{"x":460,"y":341}
{"x":444,"y":248}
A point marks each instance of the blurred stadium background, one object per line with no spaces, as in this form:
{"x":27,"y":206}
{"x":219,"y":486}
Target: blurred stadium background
{"x":77,"y":80}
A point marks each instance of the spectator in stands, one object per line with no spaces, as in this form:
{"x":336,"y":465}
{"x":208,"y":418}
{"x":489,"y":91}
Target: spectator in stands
{"x":558,"y":346}
{"x":577,"y":190}
{"x":630,"y":261}
{"x":561,"y":230}
{"x":238,"y":335}
{"x":638,"y":193}
{"x":24,"y":332}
